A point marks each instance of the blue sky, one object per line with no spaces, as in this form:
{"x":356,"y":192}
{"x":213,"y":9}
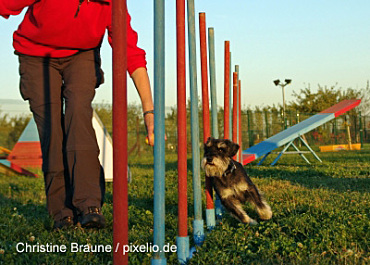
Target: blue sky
{"x":311,"y":42}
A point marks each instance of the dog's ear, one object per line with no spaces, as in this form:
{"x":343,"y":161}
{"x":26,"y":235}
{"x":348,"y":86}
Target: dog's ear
{"x":209,"y":141}
{"x":233,"y":148}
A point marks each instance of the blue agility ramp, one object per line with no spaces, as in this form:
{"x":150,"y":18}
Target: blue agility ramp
{"x":288,"y":136}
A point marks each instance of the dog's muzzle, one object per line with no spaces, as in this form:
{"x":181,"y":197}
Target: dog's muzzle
{"x":214,"y":166}
{"x":209,"y":160}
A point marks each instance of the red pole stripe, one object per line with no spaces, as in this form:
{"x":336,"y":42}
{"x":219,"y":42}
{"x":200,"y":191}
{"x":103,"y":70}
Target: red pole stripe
{"x":235,"y":107}
{"x":227,"y":91}
{"x":205,"y":98}
{"x":204,"y":70}
{"x":120,"y":194}
{"x":240,"y":122}
{"x":181,"y":120}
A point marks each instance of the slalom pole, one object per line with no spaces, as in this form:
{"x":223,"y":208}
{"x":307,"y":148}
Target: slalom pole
{"x":227,"y":90}
{"x":120,"y":196}
{"x":159,"y":132}
{"x":240,"y":122}
{"x":210,"y":211}
{"x":198,"y":223}
{"x":212,"y":79}
{"x":182,"y":239}
{"x":235,"y":109}
{"x":230,"y":99}
{"x":213,"y":87}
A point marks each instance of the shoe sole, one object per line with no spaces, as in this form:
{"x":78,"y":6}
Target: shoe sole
{"x":93,"y":225}
{"x":95,"y":222}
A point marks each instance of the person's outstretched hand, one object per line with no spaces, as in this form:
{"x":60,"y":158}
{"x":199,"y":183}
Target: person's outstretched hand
{"x":149,"y":125}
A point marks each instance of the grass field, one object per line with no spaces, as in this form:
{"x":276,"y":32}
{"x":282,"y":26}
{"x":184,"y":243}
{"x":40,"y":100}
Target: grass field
{"x":321,"y":216}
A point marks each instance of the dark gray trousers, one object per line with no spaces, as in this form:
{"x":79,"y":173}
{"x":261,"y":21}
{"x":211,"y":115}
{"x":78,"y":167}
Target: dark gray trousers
{"x":74,"y":179}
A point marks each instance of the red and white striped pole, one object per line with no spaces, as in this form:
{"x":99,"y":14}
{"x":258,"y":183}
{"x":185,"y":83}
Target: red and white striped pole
{"x":182,"y":238}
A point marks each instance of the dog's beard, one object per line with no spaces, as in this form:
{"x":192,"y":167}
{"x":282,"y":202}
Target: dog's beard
{"x":217,"y":168}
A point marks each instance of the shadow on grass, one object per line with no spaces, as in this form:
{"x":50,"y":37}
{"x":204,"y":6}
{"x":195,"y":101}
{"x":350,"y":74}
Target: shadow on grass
{"x":32,"y":214}
{"x":169,"y":165}
{"x":312,"y":178}
{"x":347,"y":156}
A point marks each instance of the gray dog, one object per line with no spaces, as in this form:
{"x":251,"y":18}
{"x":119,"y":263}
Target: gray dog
{"x":230,"y":180}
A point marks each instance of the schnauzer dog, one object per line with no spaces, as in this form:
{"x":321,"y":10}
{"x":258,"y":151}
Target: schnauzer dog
{"x":230,"y":180}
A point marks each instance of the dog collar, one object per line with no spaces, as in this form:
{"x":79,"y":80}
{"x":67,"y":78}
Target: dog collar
{"x":230,"y":169}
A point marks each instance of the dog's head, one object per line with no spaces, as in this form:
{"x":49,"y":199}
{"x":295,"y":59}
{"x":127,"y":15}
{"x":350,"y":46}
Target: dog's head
{"x":217,"y":156}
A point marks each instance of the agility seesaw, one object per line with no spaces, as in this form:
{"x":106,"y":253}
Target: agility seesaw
{"x":10,"y":169}
{"x":288,"y":136}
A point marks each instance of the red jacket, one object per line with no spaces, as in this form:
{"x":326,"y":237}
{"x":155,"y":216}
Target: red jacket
{"x":55,"y":29}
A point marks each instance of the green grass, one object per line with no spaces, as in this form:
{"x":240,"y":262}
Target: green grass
{"x":321,"y":216}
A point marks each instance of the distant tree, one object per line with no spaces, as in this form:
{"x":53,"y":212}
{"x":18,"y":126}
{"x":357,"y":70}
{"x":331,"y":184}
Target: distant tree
{"x":365,"y":103}
{"x":4,"y":129}
{"x":171,"y":126}
{"x":258,"y":122}
{"x":11,"y":129}
{"x":104,"y":111}
{"x":18,"y":124}
{"x":307,"y":101}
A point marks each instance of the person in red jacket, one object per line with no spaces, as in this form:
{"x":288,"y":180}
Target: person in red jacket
{"x":58,"y":44}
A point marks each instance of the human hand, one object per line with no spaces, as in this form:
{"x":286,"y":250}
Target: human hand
{"x":149,"y":125}
{"x":147,"y":139}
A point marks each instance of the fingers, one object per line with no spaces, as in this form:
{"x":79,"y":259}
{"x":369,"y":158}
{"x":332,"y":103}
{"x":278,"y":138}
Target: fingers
{"x":149,"y":125}
{"x":149,"y":140}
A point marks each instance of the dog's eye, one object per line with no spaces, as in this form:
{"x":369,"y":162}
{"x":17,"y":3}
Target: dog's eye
{"x":220,"y":150}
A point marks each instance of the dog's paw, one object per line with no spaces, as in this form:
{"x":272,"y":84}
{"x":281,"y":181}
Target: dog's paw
{"x":265,"y":213}
{"x":252,"y":222}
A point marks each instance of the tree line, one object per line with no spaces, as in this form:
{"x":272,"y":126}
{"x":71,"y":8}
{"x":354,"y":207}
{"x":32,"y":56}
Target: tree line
{"x":305,"y":101}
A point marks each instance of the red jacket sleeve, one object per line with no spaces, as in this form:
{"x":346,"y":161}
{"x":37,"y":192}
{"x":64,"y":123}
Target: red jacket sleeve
{"x":13,"y":7}
{"x":135,"y":55}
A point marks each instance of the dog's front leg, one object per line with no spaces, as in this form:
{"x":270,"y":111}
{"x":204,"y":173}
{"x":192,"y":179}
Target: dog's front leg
{"x":236,"y":209}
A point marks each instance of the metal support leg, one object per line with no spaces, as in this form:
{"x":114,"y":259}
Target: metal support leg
{"x":309,"y":148}
{"x":299,"y":152}
{"x":263,"y":159}
{"x":281,"y":153}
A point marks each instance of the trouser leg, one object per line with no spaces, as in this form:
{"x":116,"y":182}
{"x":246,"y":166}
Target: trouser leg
{"x":41,"y":84}
{"x":81,"y":145}
{"x":87,"y":179}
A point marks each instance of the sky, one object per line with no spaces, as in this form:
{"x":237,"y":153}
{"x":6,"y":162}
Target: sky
{"x":311,"y":42}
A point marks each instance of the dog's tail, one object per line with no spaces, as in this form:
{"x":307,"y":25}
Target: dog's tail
{"x":263,"y":209}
